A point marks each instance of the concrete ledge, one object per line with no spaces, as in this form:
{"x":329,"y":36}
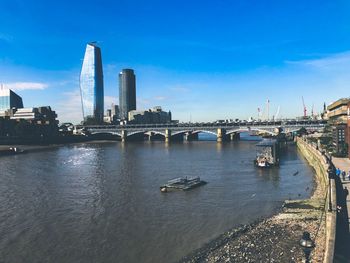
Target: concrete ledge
{"x":319,"y":162}
{"x":331,"y":226}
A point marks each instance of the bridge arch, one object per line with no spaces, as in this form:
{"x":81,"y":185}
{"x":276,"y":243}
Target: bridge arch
{"x":248,"y":129}
{"x":105,"y":132}
{"x":205,"y":131}
{"x":132,"y":133}
{"x":180,"y":132}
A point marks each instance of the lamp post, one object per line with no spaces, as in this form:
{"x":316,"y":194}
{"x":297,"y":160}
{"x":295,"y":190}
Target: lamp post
{"x":330,"y":171}
{"x":307,"y":245}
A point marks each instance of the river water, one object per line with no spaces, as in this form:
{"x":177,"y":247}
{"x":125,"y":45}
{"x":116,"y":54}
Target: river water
{"x":100,"y":202}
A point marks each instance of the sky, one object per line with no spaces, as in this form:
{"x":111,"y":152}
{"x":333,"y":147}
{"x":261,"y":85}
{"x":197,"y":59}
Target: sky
{"x":203,"y":60}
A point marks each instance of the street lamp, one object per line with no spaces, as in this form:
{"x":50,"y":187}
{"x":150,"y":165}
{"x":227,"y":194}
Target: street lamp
{"x":330,"y":172}
{"x":307,"y":245}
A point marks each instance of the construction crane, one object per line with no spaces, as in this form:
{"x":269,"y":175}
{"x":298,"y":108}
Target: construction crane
{"x":305,"y":111}
{"x":277,"y":113}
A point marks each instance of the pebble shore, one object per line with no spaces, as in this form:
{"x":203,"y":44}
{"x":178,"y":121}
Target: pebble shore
{"x":275,"y":239}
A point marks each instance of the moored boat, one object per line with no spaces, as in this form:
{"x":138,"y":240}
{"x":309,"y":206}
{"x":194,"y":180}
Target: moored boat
{"x":182,"y":184}
{"x":267,"y":153}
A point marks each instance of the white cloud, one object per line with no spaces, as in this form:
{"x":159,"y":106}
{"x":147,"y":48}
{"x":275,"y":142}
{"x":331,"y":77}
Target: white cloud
{"x":6,"y":37}
{"x":179,"y":89}
{"x":69,"y":109}
{"x":109,"y":100}
{"x":335,"y":61}
{"x":26,"y":86}
{"x":160,"y":98}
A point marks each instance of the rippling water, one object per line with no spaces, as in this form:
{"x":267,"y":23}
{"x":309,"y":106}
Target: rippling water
{"x":101,"y":202}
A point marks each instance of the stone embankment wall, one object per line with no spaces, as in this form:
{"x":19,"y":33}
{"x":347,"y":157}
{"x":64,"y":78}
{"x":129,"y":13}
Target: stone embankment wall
{"x":321,"y":165}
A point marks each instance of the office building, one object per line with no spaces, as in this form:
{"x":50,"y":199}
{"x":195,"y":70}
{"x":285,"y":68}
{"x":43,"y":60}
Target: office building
{"x":91,"y":84}
{"x":9,"y":100}
{"x":152,"y":116}
{"x":40,"y":115}
{"x":127,"y":92}
{"x":115,"y":111}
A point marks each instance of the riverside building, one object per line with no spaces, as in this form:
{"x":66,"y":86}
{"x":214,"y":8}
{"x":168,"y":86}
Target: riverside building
{"x":127,"y":93}
{"x":152,"y":116}
{"x":91,"y":84}
{"x":9,"y":100}
{"x":337,"y":114}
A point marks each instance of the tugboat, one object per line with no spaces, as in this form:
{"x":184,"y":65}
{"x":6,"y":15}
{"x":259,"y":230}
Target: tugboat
{"x":182,"y":184}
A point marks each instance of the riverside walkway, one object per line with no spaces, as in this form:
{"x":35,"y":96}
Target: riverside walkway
{"x":344,"y":165}
{"x":342,"y":253}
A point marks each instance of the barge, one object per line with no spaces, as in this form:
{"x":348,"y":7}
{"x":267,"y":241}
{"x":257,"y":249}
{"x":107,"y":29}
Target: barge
{"x":182,"y":184}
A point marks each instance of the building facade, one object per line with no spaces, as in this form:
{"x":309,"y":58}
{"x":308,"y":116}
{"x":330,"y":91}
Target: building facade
{"x":115,"y":111}
{"x":91,"y":84}
{"x":127,"y":92}
{"x":337,"y":115}
{"x":39,"y":115}
{"x":348,"y":130}
{"x":152,"y":116}
{"x":337,"y":111}
{"x":9,"y":100}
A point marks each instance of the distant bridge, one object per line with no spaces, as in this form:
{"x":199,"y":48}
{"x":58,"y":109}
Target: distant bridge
{"x":190,"y":131}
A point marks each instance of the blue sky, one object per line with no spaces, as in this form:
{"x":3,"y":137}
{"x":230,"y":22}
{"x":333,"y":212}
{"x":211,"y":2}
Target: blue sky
{"x":206,"y":60}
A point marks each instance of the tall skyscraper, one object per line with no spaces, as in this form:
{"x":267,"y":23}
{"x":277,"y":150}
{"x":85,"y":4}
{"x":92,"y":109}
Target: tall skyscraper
{"x":9,"y":100}
{"x":127,"y":92}
{"x":91,"y":83}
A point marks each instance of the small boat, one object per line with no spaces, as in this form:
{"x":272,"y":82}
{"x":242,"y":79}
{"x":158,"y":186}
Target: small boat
{"x":16,"y":150}
{"x":262,"y":162}
{"x":11,"y":151}
{"x":182,"y":184}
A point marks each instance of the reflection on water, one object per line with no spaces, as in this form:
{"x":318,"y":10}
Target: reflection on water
{"x":101,"y":202}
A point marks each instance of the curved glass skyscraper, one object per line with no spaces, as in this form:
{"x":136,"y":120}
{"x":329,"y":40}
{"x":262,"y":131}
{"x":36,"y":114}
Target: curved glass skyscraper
{"x":127,"y":92}
{"x":91,"y":83}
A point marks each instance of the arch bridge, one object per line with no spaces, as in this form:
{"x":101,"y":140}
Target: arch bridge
{"x":189,"y":131}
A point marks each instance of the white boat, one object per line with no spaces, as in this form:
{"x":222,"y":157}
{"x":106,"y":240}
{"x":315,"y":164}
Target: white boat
{"x":262,"y":163}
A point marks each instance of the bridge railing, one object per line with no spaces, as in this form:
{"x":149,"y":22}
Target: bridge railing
{"x":203,"y":125}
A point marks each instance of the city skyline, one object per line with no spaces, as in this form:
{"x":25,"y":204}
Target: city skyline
{"x":202,"y":69}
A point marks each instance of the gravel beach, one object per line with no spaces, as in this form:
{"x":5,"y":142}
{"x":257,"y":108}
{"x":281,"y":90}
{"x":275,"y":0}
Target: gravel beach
{"x":275,"y":239}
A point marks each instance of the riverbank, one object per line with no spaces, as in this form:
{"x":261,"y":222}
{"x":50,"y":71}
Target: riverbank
{"x":40,"y":148}
{"x":274,"y":239}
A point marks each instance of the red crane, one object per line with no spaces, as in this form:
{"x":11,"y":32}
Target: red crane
{"x":304,"y":107}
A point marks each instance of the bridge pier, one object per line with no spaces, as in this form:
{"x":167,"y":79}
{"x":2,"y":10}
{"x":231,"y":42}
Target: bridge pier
{"x":189,"y":136}
{"x":167,"y":135}
{"x":124,"y":135}
{"x":221,"y":133}
{"x":235,"y":136}
{"x":150,"y":136}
